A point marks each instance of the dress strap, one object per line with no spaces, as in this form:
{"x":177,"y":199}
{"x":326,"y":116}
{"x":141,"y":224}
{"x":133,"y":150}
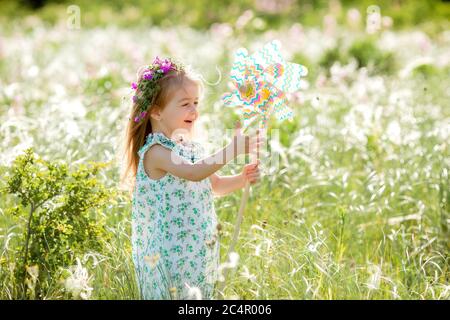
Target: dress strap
{"x":156,"y":138}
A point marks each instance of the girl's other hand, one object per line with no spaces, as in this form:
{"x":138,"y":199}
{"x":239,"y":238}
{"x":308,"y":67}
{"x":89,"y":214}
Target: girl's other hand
{"x":251,"y":172}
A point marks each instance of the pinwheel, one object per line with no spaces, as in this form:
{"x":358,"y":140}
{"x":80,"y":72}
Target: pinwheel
{"x":261,"y":82}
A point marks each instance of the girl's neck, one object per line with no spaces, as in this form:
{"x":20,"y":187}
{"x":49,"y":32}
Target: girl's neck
{"x":156,"y":127}
{"x":178,"y":138}
{"x":164,"y":132}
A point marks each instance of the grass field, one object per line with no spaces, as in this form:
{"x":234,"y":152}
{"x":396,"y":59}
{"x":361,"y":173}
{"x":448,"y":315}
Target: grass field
{"x":358,"y":207}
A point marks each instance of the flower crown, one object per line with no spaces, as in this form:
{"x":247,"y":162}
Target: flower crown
{"x":148,"y":87}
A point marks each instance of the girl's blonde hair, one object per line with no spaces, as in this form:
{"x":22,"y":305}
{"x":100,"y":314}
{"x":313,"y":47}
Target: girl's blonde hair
{"x":136,"y":132}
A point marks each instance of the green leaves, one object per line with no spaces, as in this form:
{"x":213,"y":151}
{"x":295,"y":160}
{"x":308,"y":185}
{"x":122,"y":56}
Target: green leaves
{"x":59,"y":206}
{"x":34,"y":180}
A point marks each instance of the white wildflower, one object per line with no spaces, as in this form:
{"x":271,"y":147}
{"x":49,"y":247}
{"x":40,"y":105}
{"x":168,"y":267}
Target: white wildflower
{"x":247,"y":275}
{"x":230,"y":264}
{"x":258,"y":250}
{"x":394,"y":132}
{"x":194,"y":293}
{"x":256,"y":227}
{"x":395,"y":294}
{"x":234,"y":259}
{"x":375,"y":277}
{"x":78,"y":282}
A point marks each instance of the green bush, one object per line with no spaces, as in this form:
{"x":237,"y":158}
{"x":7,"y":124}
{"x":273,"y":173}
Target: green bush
{"x":367,"y":54}
{"x":57,"y":211}
{"x":332,"y":55}
{"x":425,"y":70}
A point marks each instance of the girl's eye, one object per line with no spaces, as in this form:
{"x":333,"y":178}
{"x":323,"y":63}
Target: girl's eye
{"x":187,"y":104}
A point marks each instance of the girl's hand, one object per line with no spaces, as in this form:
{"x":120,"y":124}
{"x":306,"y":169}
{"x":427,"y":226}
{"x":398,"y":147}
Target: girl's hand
{"x":251,"y":172}
{"x":244,"y":144}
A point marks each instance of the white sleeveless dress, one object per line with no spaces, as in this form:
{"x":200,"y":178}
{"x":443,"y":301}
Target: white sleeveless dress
{"x":175,"y":239}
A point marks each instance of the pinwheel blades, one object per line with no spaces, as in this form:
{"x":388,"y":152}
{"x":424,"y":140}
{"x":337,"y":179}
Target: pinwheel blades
{"x":261,"y":81}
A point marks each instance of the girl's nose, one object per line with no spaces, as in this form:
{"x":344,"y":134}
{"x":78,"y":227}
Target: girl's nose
{"x":193,"y":109}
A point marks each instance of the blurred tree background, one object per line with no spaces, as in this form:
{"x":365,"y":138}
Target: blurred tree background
{"x":201,"y":14}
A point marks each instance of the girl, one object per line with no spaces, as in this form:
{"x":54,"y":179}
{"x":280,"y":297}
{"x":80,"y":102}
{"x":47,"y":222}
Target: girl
{"x":174,"y":224}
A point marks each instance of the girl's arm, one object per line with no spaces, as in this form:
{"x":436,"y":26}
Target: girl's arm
{"x":223,"y":185}
{"x":161,"y":158}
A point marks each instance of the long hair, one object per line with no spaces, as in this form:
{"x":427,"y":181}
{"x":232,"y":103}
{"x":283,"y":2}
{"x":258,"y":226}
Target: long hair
{"x":136,"y":132}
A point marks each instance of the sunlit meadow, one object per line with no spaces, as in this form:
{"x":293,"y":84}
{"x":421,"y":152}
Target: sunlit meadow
{"x":358,"y":206}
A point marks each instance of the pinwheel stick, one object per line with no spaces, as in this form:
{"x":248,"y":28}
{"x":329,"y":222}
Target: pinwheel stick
{"x":253,"y":159}
{"x":237,"y":227}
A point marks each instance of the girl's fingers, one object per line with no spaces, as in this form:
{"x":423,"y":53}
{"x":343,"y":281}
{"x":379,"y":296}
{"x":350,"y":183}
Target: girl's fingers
{"x":252,"y":181}
{"x":252,"y":166}
{"x":253,"y":176}
{"x":252,"y":170}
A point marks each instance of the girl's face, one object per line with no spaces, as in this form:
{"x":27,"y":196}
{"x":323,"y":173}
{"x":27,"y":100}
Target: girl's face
{"x":181,"y":110}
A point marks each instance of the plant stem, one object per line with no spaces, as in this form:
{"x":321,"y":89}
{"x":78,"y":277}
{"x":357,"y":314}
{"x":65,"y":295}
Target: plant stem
{"x":27,"y":240}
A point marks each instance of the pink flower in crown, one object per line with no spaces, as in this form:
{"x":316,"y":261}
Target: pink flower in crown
{"x":157,"y":61}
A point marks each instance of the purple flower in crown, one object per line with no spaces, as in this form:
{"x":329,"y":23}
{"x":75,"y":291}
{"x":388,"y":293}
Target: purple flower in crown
{"x":140,"y":116}
{"x":166,"y":66}
{"x":148,"y":75}
{"x":135,"y":99}
{"x":134,"y":85}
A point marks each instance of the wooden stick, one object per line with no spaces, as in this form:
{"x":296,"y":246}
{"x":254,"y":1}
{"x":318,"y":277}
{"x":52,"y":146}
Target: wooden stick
{"x":237,"y":227}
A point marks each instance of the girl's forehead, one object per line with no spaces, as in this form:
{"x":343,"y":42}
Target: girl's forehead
{"x":188,"y":90}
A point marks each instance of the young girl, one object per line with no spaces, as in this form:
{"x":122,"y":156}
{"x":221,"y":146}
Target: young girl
{"x":174,"y":224}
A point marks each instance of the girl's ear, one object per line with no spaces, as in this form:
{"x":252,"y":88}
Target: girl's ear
{"x":155,"y":113}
